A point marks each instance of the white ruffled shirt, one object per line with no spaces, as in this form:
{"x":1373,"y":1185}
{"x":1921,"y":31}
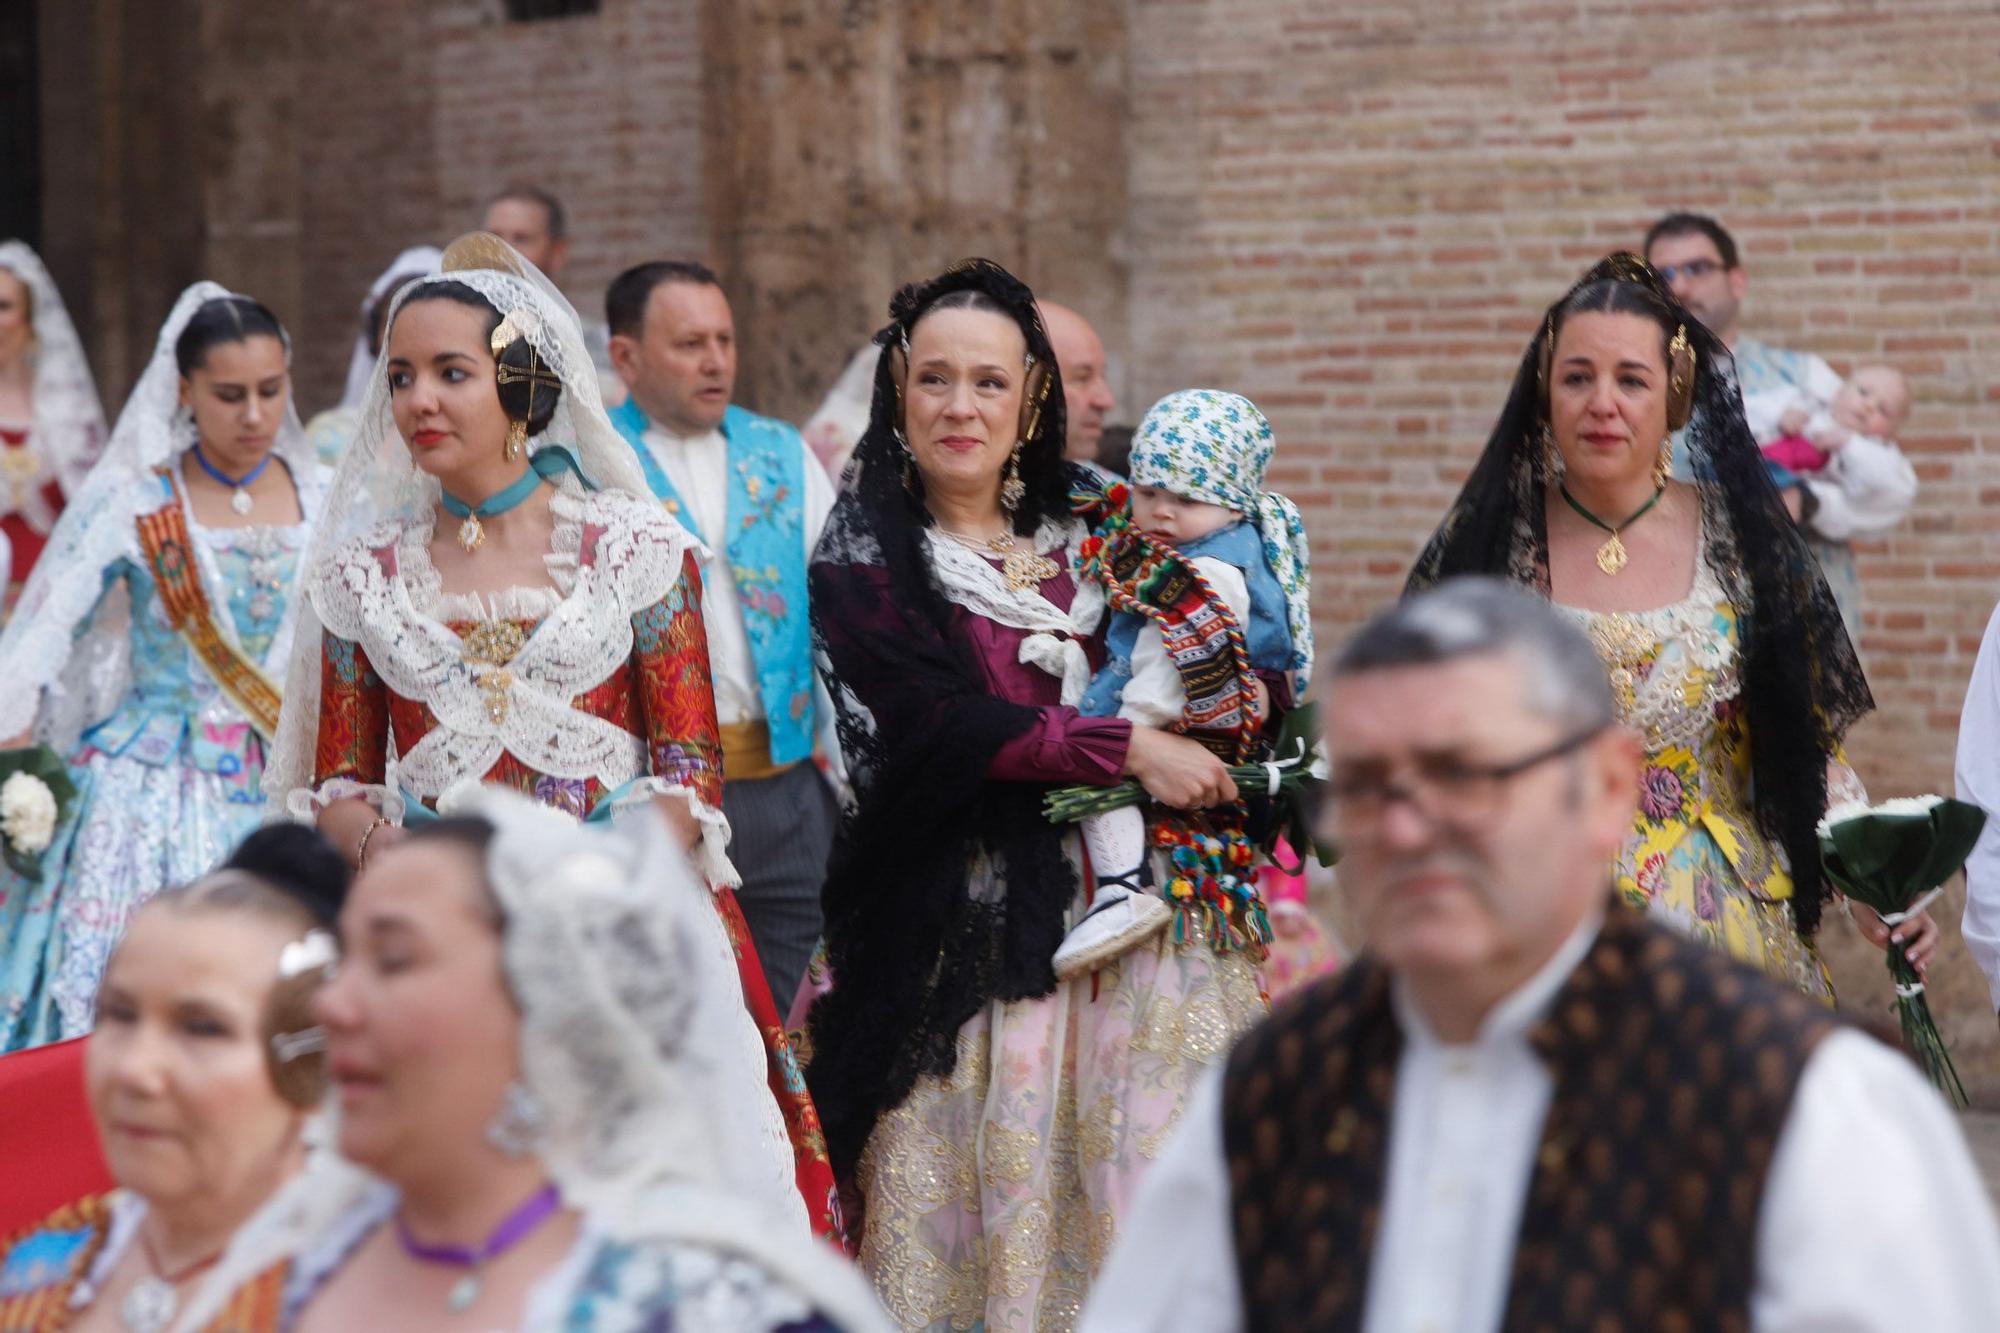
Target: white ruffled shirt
{"x":1874,"y":1219}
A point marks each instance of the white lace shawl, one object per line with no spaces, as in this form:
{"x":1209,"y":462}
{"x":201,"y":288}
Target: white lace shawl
{"x":67,"y":434}
{"x":1054,"y":642}
{"x":381,"y":590}
{"x":659,"y":1124}
{"x":57,"y":665}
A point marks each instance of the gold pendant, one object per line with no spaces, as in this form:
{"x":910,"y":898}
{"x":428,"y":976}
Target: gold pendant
{"x":1611,"y":556}
{"x":1024,"y":570}
{"x":470,"y":533}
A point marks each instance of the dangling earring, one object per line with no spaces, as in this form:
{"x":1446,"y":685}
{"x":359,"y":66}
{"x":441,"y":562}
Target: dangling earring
{"x":1663,"y":463}
{"x":519,"y":1122}
{"x":1013,"y":490}
{"x":912,"y":482}
{"x":1551,"y":456}
{"x":517,"y":440}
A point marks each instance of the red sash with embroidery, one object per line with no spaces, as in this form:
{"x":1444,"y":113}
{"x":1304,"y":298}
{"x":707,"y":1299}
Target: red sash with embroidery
{"x":163,"y":536}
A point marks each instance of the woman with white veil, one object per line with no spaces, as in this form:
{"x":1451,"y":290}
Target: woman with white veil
{"x":51,"y":427}
{"x":496,"y":598}
{"x":145,"y":646}
{"x":330,"y":430}
{"x":543,"y":1119}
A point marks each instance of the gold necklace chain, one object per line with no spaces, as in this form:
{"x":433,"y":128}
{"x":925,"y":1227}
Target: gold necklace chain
{"x":1022,"y":569}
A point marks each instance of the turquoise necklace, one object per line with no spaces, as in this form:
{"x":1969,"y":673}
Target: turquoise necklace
{"x":543,"y":464}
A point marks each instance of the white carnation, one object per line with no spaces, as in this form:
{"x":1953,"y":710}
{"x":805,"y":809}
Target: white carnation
{"x":27,"y":813}
{"x":1898,"y":805}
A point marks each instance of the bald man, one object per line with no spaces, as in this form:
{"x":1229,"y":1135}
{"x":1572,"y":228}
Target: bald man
{"x":1087,"y":396}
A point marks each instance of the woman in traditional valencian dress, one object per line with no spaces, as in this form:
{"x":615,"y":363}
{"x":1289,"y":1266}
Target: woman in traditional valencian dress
{"x":51,"y":427}
{"x":1725,"y":649}
{"x":545,"y":1117}
{"x":146,"y":645}
{"x":496,"y":598}
{"x":199,"y":1113}
{"x":992,"y":1120}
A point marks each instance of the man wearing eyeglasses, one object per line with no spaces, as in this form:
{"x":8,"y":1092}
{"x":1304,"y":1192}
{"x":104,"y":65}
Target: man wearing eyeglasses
{"x":1872,"y":490}
{"x":1526,"y":1105}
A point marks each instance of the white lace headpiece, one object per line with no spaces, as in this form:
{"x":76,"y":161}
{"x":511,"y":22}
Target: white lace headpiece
{"x":646,"y":1119}
{"x":68,"y":429}
{"x":377,"y":479}
{"x":96,"y":524}
{"x":361,"y":362}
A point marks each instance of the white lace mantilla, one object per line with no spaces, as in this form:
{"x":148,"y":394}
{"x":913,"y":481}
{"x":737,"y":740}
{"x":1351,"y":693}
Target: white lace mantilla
{"x":1054,"y":642}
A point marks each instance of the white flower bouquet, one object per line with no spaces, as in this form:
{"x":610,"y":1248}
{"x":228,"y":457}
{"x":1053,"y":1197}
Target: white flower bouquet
{"x":1894,"y":857}
{"x":36,"y":794}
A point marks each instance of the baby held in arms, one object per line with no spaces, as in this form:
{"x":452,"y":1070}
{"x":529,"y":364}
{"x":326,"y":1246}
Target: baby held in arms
{"x":1197,"y":469}
{"x":1806,"y":437}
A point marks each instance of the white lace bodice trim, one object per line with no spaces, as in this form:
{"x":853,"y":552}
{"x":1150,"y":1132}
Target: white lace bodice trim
{"x":427,"y":594}
{"x":1690,"y":664}
{"x":1054,"y":642}
{"x":520,"y":705}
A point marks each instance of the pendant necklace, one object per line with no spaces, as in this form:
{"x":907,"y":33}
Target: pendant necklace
{"x":470,"y":532}
{"x":1612,"y":556}
{"x":1020,"y":568}
{"x":516,"y":1227}
{"x":240,"y":499}
{"x":155,"y":1299}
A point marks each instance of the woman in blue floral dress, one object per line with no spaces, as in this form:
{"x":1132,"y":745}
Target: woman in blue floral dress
{"x":145,"y":646}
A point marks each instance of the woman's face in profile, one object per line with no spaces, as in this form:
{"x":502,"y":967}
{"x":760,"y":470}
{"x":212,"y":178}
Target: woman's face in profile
{"x":175,"y":1068}
{"x":962,"y":400}
{"x":1608,"y":395}
{"x":17,"y":328}
{"x":442,"y":390}
{"x":422,"y":1035}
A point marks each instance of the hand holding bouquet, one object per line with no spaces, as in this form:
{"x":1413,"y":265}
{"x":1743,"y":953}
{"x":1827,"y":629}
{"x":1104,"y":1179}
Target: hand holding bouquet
{"x":1894,"y":857}
{"x":1291,"y":778}
{"x":35,"y":794}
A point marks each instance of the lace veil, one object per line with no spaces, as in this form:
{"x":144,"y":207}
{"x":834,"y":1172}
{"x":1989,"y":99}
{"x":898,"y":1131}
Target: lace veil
{"x":1802,"y":683}
{"x":648,"y":1123}
{"x":68,"y":430}
{"x":361,"y":362}
{"x":377,"y":480}
{"x":39,"y":647}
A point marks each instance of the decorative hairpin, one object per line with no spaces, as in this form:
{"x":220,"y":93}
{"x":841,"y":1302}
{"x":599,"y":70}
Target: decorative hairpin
{"x":517,"y":323}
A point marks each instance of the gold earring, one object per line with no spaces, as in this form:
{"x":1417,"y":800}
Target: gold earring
{"x":517,"y":440}
{"x":1013,"y":490}
{"x":1551,"y":456}
{"x":1663,"y":463}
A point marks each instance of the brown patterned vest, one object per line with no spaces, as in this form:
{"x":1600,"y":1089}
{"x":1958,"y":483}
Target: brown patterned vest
{"x":1674,"y":1069}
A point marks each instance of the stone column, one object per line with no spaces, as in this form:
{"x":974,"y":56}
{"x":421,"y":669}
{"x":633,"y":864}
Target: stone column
{"x":855,"y":147}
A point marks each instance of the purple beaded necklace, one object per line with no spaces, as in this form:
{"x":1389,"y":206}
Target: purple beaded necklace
{"x":516,"y":1227}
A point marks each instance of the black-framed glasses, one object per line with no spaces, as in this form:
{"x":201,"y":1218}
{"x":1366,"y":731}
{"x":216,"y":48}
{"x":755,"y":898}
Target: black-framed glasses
{"x":1694,"y":268}
{"x":1445,"y":791}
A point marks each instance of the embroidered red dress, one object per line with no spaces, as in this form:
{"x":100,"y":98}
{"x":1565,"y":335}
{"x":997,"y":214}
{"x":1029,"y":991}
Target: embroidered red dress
{"x":30,"y":500}
{"x":588,"y":696}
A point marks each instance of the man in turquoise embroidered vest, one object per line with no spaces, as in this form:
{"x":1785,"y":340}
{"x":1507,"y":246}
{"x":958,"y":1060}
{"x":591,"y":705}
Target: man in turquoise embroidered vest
{"x":751,"y":491}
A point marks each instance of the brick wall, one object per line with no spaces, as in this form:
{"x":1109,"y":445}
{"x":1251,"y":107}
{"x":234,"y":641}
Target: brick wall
{"x":1355,"y":213}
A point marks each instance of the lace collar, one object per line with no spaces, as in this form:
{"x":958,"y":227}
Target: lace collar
{"x":971,"y":581}
{"x":426,"y":587}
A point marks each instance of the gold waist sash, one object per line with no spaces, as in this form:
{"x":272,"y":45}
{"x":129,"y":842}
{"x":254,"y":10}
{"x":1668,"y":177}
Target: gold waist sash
{"x":746,"y":752}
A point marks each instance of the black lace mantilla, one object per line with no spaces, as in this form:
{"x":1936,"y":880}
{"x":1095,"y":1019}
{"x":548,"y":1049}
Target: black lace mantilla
{"x":914,"y":954}
{"x":1803,"y":686}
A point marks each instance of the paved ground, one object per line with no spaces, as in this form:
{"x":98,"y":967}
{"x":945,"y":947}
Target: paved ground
{"x":1982,"y":1131}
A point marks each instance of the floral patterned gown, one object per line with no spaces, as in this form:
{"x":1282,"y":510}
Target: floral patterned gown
{"x":589,"y":696}
{"x":168,"y":781}
{"x":1695,"y":857}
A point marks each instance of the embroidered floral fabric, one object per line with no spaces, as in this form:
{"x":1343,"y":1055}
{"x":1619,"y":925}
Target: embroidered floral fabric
{"x":1695,"y":857}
